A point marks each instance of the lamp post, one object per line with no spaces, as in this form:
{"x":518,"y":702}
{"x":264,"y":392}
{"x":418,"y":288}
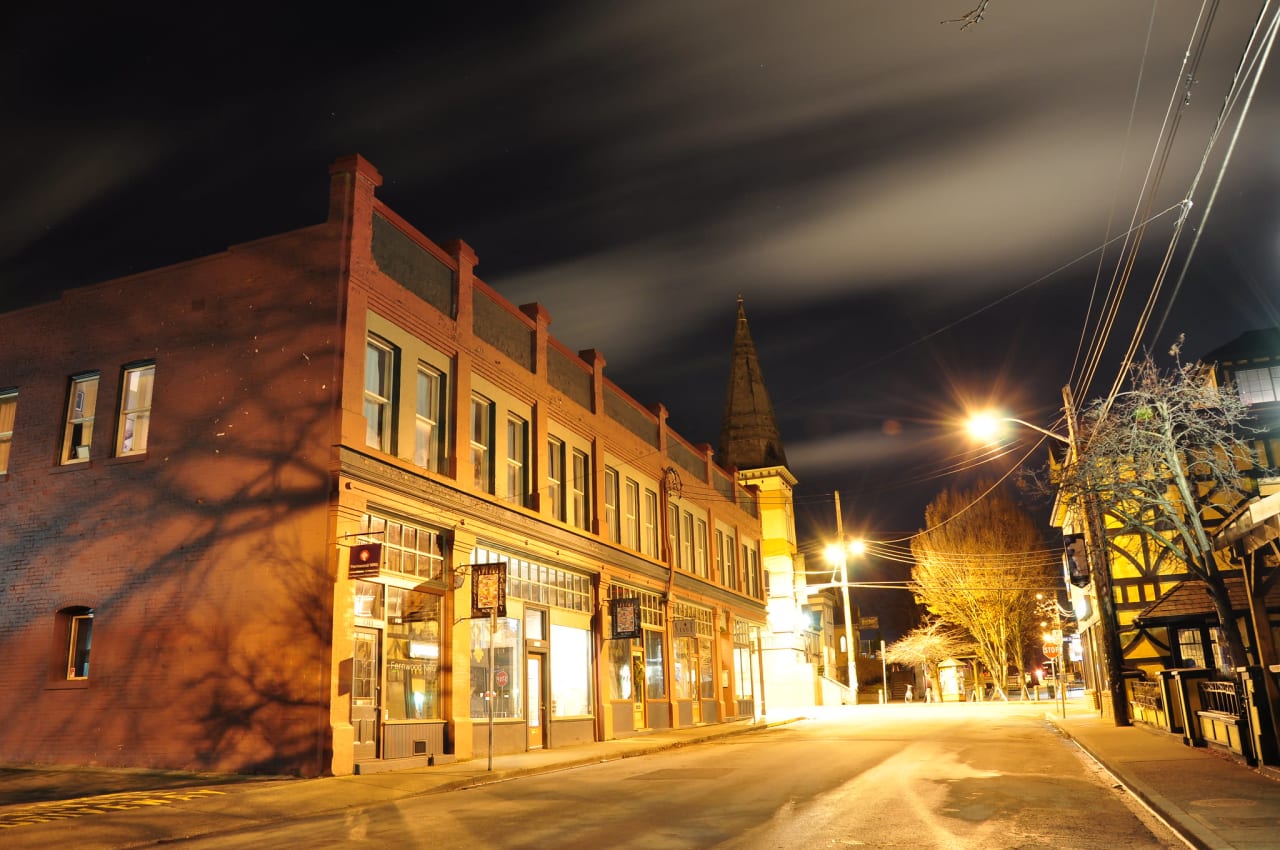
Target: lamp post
{"x":1095,"y":541}
{"x":837,"y":554}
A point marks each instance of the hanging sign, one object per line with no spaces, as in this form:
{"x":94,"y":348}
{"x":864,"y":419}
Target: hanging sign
{"x":684,"y":627}
{"x":364,"y":561}
{"x":489,"y":590}
{"x":625,"y":615}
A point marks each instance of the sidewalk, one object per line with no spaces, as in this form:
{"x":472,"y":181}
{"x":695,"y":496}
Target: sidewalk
{"x":1211,"y":800}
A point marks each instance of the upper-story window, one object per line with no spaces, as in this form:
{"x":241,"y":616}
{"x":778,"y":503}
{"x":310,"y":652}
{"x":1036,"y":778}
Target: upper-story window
{"x":428,"y":436}
{"x":673,"y":534}
{"x":517,"y":460}
{"x":482,"y":442}
{"x":632,"y":520}
{"x":751,"y":572}
{"x":611,"y":496}
{"x":650,"y":523}
{"x":135,"y":409}
{"x":379,"y":394}
{"x":686,"y":542}
{"x":82,"y":401}
{"x":579,"y":488}
{"x":555,"y":477}
{"x":700,"y":547}
{"x":8,"y":414}
{"x":1257,"y":386}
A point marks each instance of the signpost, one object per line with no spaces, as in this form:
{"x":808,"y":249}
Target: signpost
{"x":489,"y":598}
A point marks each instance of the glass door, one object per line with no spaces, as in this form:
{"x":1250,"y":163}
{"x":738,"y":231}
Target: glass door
{"x":536,"y":699}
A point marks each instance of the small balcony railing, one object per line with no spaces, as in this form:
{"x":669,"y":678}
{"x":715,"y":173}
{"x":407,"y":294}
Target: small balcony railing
{"x":1222,"y":697}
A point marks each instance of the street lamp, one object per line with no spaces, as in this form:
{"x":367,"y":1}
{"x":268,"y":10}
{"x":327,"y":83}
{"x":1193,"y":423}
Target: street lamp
{"x":985,"y":426}
{"x":837,"y":554}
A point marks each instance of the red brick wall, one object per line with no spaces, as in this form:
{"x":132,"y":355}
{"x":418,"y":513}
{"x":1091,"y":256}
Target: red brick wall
{"x":206,"y":561}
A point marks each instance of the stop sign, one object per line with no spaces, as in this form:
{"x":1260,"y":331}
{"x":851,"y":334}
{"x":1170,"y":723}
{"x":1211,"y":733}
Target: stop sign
{"x":1051,"y":650}
{"x":500,"y":678}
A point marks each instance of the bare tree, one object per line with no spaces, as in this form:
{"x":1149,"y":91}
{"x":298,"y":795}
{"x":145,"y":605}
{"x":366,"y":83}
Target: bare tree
{"x":928,"y":645}
{"x":1168,"y":459}
{"x":978,"y":565}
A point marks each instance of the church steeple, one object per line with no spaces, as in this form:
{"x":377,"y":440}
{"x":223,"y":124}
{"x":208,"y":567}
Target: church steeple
{"x":749,"y":436}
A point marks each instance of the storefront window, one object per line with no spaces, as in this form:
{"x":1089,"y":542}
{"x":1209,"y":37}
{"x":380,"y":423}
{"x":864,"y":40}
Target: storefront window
{"x":742,"y":665}
{"x":655,"y":686}
{"x":508,"y":697}
{"x":706,"y":675}
{"x":686,"y":666}
{"x":570,"y":671}
{"x":413,"y":655}
{"x":619,"y":656}
{"x":368,"y":599}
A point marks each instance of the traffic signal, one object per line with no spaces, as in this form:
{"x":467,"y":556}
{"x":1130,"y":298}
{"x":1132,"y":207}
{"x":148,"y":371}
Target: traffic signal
{"x":1075,"y":561}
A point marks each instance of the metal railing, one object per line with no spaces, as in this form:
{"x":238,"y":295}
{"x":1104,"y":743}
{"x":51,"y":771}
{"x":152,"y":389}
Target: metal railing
{"x":1222,"y":697}
{"x":1147,"y":695}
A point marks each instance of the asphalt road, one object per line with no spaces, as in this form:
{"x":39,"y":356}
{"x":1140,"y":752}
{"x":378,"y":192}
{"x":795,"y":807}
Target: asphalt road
{"x":916,"y":776}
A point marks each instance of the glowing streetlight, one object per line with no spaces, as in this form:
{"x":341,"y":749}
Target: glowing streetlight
{"x":986,"y":426}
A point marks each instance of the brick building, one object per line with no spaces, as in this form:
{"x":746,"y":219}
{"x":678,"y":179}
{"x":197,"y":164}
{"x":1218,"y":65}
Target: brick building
{"x":194,"y":461}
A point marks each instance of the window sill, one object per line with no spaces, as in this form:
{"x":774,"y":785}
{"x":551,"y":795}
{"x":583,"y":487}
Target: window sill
{"x":67,"y":685}
{"x":68,"y":466}
{"x":133,"y":458}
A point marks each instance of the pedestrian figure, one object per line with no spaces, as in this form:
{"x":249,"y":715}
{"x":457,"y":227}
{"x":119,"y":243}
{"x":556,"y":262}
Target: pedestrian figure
{"x":908,"y":696}
{"x":928,"y":691}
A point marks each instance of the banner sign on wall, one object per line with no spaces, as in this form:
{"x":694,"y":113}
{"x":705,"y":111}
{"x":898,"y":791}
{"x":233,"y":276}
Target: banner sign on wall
{"x":625,"y":614}
{"x":488,"y":590}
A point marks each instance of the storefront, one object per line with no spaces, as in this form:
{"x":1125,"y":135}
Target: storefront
{"x":541,"y":655}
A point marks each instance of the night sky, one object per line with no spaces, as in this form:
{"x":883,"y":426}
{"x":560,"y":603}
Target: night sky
{"x":911,"y":209}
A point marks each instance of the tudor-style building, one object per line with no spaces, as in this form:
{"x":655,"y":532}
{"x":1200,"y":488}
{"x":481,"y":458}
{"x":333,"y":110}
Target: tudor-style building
{"x":1166,"y":624}
{"x":246,"y":500}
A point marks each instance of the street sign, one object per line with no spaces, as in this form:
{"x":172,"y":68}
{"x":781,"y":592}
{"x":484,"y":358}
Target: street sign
{"x":500,"y":678}
{"x":1051,"y":650}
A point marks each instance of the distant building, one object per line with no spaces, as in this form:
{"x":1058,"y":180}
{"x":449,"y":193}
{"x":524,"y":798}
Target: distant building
{"x":804,"y":662}
{"x":247,"y":502}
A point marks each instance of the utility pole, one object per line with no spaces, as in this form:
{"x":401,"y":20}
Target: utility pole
{"x":852,"y":648}
{"x":1095,"y":538}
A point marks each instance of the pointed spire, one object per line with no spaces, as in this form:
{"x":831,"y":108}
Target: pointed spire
{"x":749,"y":436}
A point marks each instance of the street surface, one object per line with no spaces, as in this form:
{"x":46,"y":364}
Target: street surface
{"x":987,"y":776}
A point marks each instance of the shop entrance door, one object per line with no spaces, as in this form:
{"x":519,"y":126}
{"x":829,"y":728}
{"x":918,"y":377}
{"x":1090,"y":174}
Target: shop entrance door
{"x":536,"y":707}
{"x":365,"y":693}
{"x":637,"y":687}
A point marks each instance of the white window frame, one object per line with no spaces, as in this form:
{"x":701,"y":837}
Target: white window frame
{"x":555,"y":477}
{"x":379,"y":394}
{"x":579,"y":489}
{"x":700,"y":547}
{"x":428,"y":435}
{"x":482,"y":410}
{"x":137,"y":387}
{"x":650,"y":519}
{"x":632,"y":489}
{"x":612,"y":495}
{"x":517,"y":460}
